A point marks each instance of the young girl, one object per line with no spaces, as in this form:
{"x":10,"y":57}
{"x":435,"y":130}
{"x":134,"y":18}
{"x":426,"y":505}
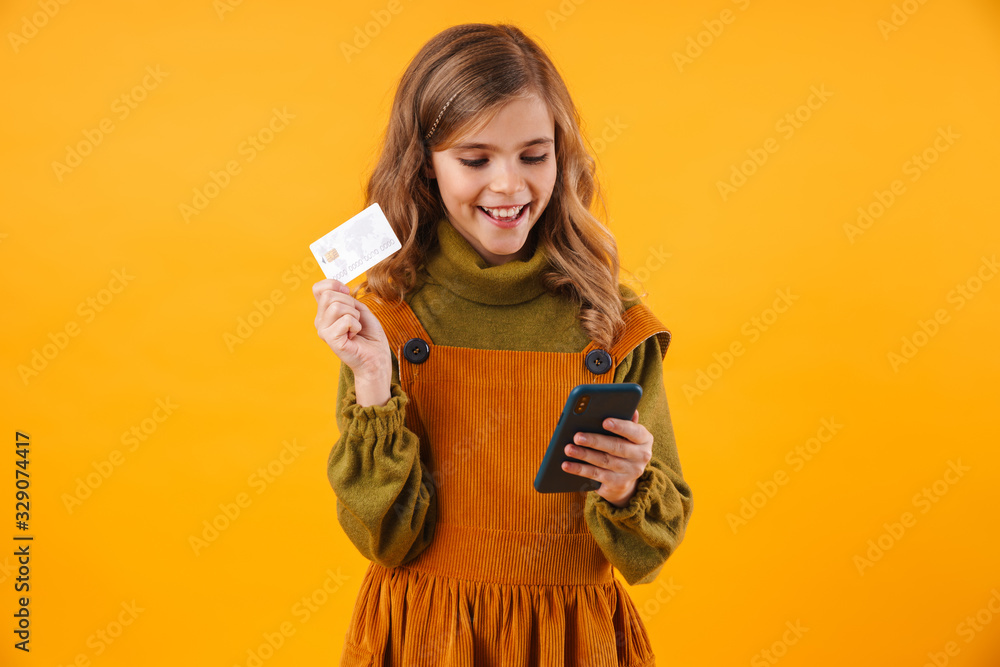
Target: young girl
{"x":457,"y":354}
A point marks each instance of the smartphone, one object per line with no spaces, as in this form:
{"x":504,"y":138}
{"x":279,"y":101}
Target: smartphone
{"x":587,"y":406}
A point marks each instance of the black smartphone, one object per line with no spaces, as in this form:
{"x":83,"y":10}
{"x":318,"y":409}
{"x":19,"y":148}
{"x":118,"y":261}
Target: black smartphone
{"x":587,"y":406}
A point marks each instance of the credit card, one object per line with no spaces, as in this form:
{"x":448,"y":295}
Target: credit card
{"x":356,"y":246}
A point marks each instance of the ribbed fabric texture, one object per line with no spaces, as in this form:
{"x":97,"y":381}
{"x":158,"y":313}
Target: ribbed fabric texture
{"x":485,"y":417}
{"x":470,"y":565}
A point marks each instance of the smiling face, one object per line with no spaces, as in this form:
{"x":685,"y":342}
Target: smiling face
{"x":496,"y":182}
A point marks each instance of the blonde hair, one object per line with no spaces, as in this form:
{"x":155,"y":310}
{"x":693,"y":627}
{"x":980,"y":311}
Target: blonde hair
{"x":470,"y":72}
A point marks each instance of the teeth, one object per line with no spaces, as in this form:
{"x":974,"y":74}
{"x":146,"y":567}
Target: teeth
{"x":511,"y":212}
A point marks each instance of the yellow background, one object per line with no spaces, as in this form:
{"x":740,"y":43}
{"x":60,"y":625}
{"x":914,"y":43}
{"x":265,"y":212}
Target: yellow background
{"x":668,"y":134}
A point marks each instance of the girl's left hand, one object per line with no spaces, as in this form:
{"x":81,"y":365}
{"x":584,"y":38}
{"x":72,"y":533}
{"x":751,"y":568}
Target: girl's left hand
{"x":615,"y":462}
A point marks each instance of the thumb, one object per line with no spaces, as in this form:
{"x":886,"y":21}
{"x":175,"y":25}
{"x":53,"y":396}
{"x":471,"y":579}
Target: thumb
{"x":635,"y":417}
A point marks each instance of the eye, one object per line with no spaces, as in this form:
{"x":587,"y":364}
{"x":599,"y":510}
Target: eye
{"x":536,"y":159}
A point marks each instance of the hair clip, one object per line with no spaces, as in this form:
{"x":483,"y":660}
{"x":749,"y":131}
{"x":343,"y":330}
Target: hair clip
{"x":434,"y":126}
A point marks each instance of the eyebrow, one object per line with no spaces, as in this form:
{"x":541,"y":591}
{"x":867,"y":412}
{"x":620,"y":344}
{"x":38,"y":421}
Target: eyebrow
{"x":491,"y":147}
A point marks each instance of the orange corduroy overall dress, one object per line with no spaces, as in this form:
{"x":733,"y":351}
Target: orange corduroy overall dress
{"x":512,"y":576}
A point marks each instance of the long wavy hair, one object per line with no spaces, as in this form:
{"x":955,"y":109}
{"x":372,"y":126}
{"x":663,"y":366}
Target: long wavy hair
{"x":480,"y":68}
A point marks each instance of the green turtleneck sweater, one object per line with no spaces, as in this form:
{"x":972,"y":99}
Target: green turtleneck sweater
{"x":383,"y":500}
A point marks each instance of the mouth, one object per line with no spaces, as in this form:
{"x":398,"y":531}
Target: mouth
{"x":506,"y":216}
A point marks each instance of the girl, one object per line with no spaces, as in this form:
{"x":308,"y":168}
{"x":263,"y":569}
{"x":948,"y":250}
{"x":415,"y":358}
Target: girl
{"x":457,"y":354}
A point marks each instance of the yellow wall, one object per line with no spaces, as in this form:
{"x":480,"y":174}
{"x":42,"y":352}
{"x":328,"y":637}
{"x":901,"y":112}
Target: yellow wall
{"x":169,"y":293}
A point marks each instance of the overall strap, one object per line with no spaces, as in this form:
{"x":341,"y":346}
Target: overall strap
{"x":397,"y":320}
{"x":640,"y":324}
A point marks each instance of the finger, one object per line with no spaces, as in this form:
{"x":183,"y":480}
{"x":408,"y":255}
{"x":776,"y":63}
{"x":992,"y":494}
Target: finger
{"x":343,"y":328}
{"x":624,"y":429}
{"x":328,"y":285}
{"x":337,"y":308}
{"x":351,"y":325}
{"x":612,"y":445}
{"x":318,"y":288}
{"x":321,"y":286}
{"x":332,"y":295}
{"x":597,"y":457}
{"x":584,"y":470}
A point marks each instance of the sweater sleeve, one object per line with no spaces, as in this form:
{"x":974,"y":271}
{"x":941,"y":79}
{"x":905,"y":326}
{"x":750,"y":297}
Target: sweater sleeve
{"x":638,"y":538}
{"x":385,"y":500}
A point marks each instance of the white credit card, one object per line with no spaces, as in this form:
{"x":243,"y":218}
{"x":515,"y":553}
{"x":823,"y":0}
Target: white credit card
{"x":356,"y":246}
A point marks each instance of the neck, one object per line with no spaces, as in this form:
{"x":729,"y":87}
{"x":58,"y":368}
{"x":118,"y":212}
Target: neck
{"x":456,"y":265}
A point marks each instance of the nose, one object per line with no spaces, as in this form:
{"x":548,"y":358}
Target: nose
{"x":507,"y":178}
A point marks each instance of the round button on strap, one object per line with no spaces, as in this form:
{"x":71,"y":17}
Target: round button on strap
{"x":416,"y":350}
{"x":598,"y":361}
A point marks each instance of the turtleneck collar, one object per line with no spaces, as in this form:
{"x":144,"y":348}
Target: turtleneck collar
{"x":456,"y":265}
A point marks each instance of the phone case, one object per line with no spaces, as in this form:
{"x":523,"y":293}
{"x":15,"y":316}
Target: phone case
{"x":618,"y":400}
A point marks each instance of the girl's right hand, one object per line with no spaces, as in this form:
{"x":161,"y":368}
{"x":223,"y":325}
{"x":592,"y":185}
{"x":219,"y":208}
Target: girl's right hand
{"x":351,"y":330}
